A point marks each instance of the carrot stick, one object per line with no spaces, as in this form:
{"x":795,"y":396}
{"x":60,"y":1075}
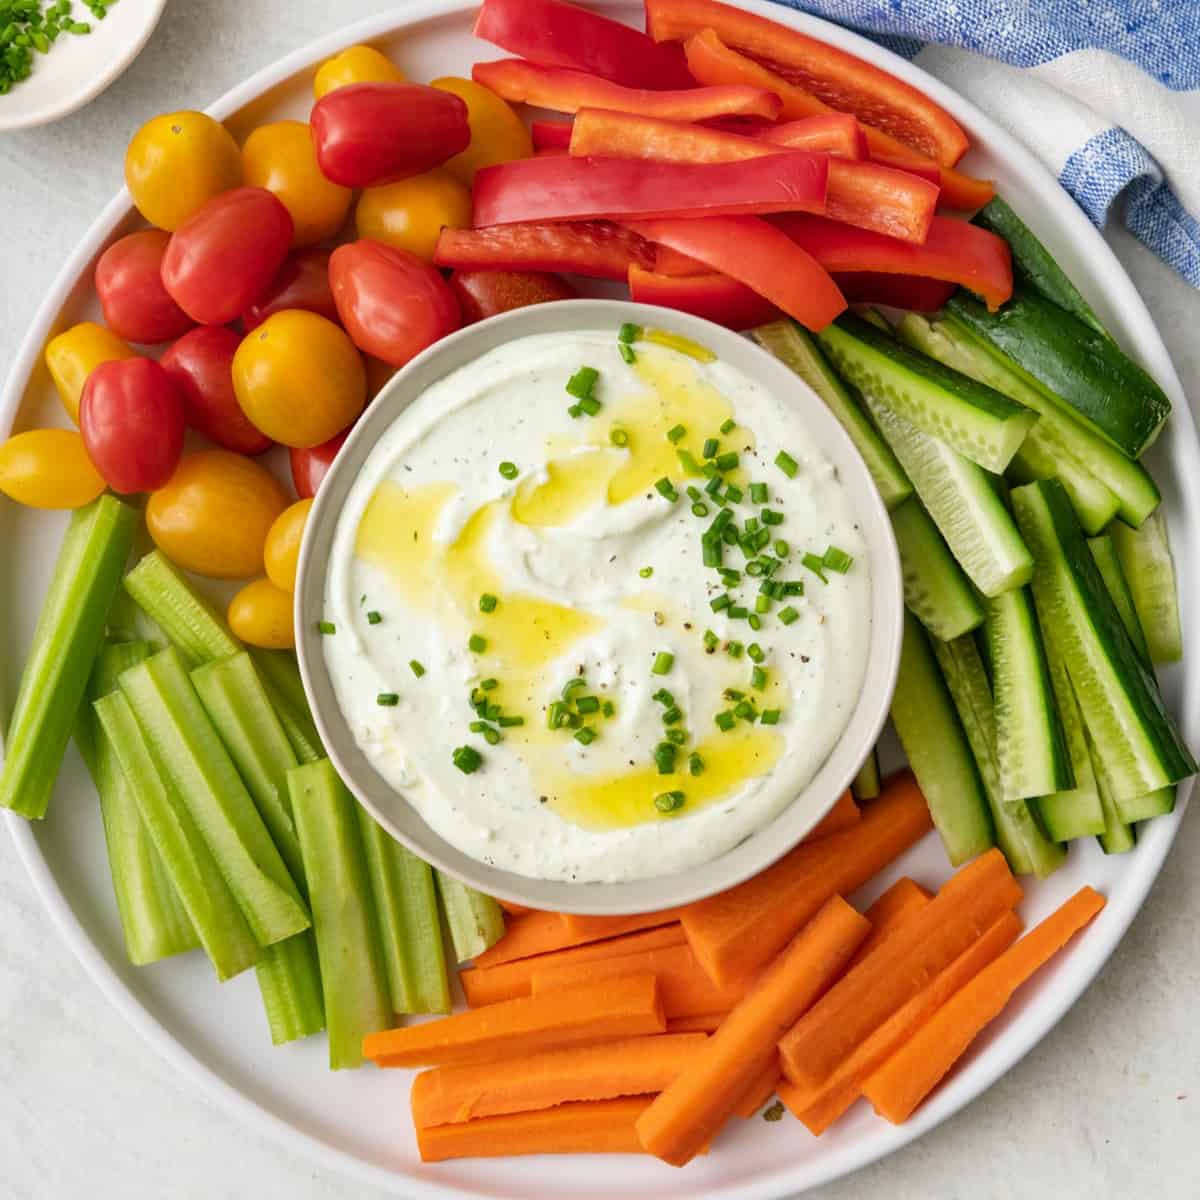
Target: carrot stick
{"x":737,"y":932}
{"x":514,"y":910}
{"x":704,"y":1023}
{"x":843,"y":815}
{"x":690,"y":1111}
{"x":490,"y":985}
{"x":615,"y":1008}
{"x":590,"y":1127}
{"x":821,"y":1107}
{"x":904,"y":898}
{"x":905,"y":1079}
{"x":762,"y":1088}
{"x":633,"y":1067}
{"x":685,"y":989}
{"x":904,"y":964}
{"x":602,"y":927}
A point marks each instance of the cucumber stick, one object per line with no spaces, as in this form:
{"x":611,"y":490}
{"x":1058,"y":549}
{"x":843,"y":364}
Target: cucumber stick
{"x":183,"y":739}
{"x":206,"y":897}
{"x":866,"y":785}
{"x":410,"y":927}
{"x":1117,"y":836}
{"x":1082,"y":370}
{"x":1041,"y":457}
{"x":280,"y":676}
{"x":964,"y":502}
{"x":353,"y":972}
{"x":972,"y":418}
{"x":795,"y":348}
{"x":1033,"y":264}
{"x":1032,"y":750}
{"x":153,"y":919}
{"x":933,"y":739}
{"x":935,"y":588}
{"x":1018,"y":832}
{"x":475,"y":921}
{"x":1136,"y":741}
{"x":1145,"y":555}
{"x":1090,"y":467}
{"x":65,"y":643}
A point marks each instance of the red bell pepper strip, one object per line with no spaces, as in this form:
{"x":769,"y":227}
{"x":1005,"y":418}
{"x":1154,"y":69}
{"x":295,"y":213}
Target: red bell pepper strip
{"x":909,"y":292}
{"x":671,"y":262}
{"x":551,"y":135}
{"x":712,"y":296}
{"x":592,"y":248}
{"x":715,"y":65}
{"x":841,"y":80}
{"x":839,"y":134}
{"x":576,"y":189}
{"x":860,"y":193}
{"x":560,"y":35}
{"x":759,"y":255}
{"x":568,"y":91}
{"x":954,"y":251}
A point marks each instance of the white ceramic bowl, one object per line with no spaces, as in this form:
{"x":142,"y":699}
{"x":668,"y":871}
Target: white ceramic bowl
{"x":768,"y":843}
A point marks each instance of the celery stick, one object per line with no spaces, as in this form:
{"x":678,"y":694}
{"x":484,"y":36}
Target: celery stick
{"x":410,"y":929}
{"x":280,"y":675}
{"x":241,"y":713}
{"x":153,"y":919}
{"x":476,"y":921}
{"x":353,"y":972}
{"x":129,"y":622}
{"x":181,"y":735}
{"x":289,"y":978}
{"x":65,"y":643}
{"x":210,"y":905}
{"x":187,"y":619}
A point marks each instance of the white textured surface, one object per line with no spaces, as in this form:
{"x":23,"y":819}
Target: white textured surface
{"x":1106,"y":1106}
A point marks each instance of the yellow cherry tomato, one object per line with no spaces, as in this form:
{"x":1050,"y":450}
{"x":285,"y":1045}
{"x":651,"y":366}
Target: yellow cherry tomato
{"x":178,"y":161}
{"x":48,"y":468}
{"x":497,"y":133}
{"x":410,"y":214}
{"x":299,"y":378}
{"x":281,"y":554}
{"x":214,"y":513}
{"x":280,"y":157}
{"x":355,"y":64}
{"x":261,"y":615}
{"x":73,"y":355}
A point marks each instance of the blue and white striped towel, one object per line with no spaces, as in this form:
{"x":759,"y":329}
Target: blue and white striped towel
{"x":1105,"y":92}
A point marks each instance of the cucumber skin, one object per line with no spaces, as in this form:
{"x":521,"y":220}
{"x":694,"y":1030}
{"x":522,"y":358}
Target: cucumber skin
{"x":1073,"y":362}
{"x":865,"y":785}
{"x":1066,"y":577}
{"x":936,"y":746}
{"x":977,"y":421}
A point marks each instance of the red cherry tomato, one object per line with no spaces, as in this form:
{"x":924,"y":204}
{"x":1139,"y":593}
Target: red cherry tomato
{"x":486,"y":293}
{"x":302,"y":282}
{"x":129,"y":283}
{"x":311,"y":465}
{"x":131,"y":418}
{"x":372,"y":133}
{"x":223,"y":257}
{"x":201,"y":364}
{"x":391,"y":303}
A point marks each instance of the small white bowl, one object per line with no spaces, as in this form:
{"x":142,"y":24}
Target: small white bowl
{"x":768,"y":843}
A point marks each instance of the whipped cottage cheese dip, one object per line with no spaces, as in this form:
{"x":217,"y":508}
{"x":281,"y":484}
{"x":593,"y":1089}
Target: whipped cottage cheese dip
{"x":495,"y":548}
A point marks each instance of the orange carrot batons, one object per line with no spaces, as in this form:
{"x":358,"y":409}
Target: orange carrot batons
{"x":900,"y":1085}
{"x":844,"y":814}
{"x":605,"y":927}
{"x":688,"y":1113}
{"x":632,"y":1067}
{"x":893,"y":907}
{"x":703,"y":1023}
{"x":762,"y":1088}
{"x":615,"y":1008}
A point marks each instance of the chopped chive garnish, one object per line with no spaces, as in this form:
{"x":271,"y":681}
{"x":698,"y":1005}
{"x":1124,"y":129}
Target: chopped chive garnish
{"x":476,"y":644}
{"x":672,"y":716}
{"x":416,"y":667}
{"x":590,"y":405}
{"x":669,"y":801}
{"x":509,"y":722}
{"x":758,"y":493}
{"x":555,"y":715}
{"x":491,"y":736}
{"x":694,"y":493}
{"x":663,"y":662}
{"x":770,"y":716}
{"x":582,"y":383}
{"x":508,"y":470}
{"x":746,"y":710}
{"x":695,"y":763}
{"x":608,"y":709}
{"x":788,"y":615}
{"x":761,"y":538}
{"x":646,"y":572}
{"x":787,"y":464}
{"x":664,"y":758}
{"x":572,"y":686}
{"x":738,"y":612}
{"x":699,"y":509}
{"x":733,"y":694}
{"x":492,"y":712}
{"x":588,"y":704}
{"x":627,"y":353}
{"x":586,"y":736}
{"x":574,"y":411}
{"x":734,"y":494}
{"x":711,"y":640}
{"x":387,"y":699}
{"x":728,"y":425}
{"x":754,"y":621}
{"x":477,"y":726}
{"x":772,"y":516}
{"x":758,"y":679}
{"x":713,"y":486}
{"x":762,"y":604}
{"x":729,"y":535}
{"x":374,"y":618}
{"x":725,"y":720}
{"x":326,"y":628}
{"x":755,"y":568}
{"x":687,"y":460}
{"x":664,"y":487}
{"x":710,"y":471}
{"x":467,"y":759}
{"x":734,"y":649}
{"x":629,"y":332}
{"x":755,"y":652}
{"x":676,"y":736}
{"x":489,"y":684}
{"x":730,"y":577}
{"x":676,"y":433}
{"x":719,"y":602}
{"x":816,"y":564}
{"x":487,"y":602}
{"x":793,"y":587}
{"x":751,"y":525}
{"x":782,"y":549}
{"x":618,"y":437}
{"x":838,"y":560}
{"x":710,"y":548}
{"x":710,"y":448}
{"x":573,"y":720}
{"x":662,"y":696}
{"x":727,"y":461}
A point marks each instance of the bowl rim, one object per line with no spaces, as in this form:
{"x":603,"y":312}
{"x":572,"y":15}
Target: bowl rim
{"x":770,"y":841}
